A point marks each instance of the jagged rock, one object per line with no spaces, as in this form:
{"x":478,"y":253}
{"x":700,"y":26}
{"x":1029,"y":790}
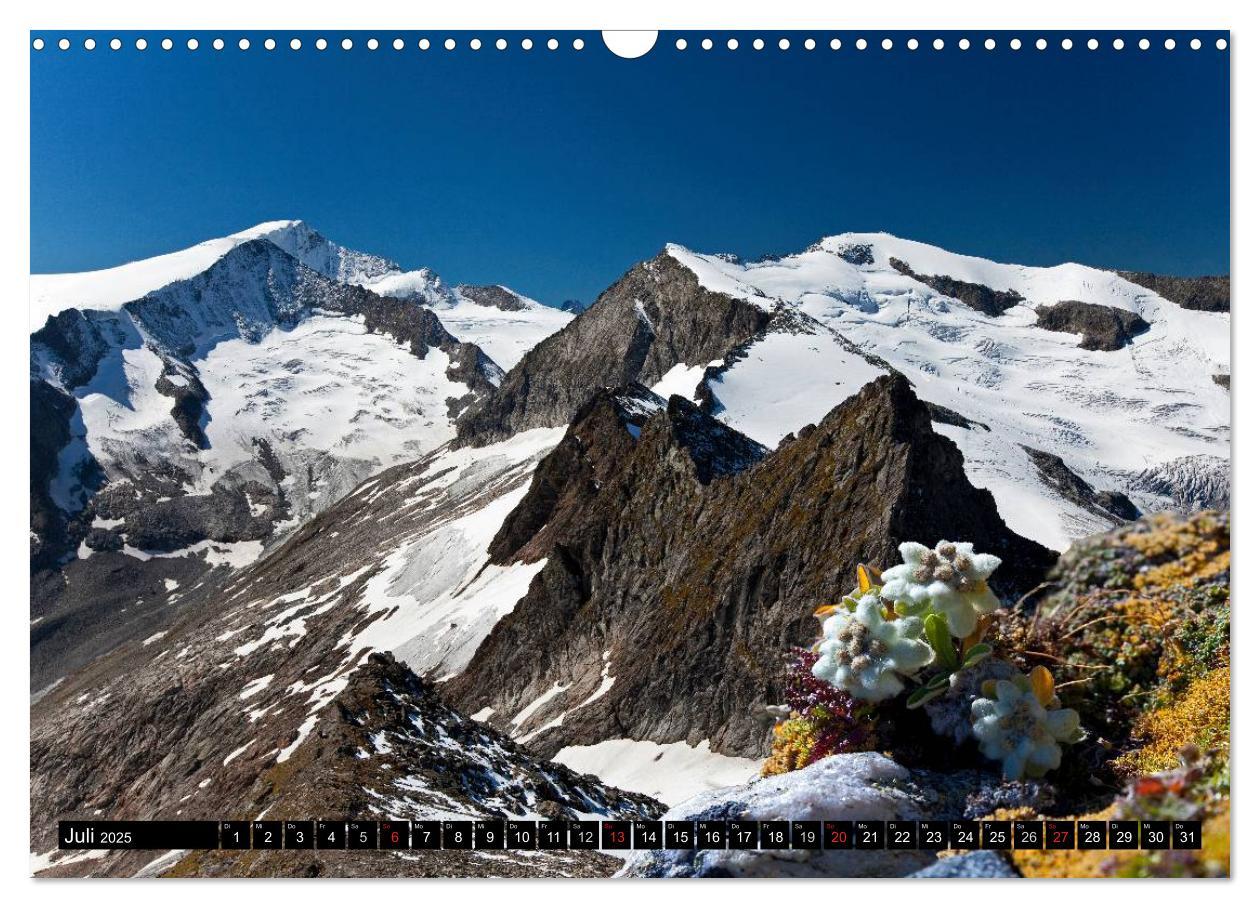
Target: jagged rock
{"x":694,"y":580}
{"x":1208,"y":294}
{"x":656,"y":316}
{"x":1101,"y":327}
{"x":1116,"y":506}
{"x":971,"y":865}
{"x":977,"y":296}
{"x":1222,"y":379}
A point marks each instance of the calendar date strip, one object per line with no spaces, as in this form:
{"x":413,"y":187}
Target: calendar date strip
{"x":627,"y":835}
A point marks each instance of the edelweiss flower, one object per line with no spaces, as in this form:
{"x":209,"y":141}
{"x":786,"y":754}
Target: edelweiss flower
{"x":1017,"y":729}
{"x":952,"y":580}
{"x":863,"y":653}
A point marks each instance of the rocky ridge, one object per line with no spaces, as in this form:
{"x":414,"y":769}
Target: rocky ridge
{"x":648,"y":622}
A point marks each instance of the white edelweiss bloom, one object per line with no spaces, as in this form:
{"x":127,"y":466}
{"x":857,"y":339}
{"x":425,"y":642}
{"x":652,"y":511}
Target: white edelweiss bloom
{"x":1018,"y":731}
{"x":952,"y":580}
{"x":865,"y":654}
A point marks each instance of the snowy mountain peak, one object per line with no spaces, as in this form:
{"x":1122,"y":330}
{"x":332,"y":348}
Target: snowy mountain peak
{"x":109,"y":289}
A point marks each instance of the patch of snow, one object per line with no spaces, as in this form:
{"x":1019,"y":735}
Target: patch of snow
{"x":537,"y":703}
{"x":671,"y":773}
{"x":308,"y":724}
{"x":161,"y":864}
{"x":787,"y":380}
{"x":250,"y":690}
{"x":682,"y":380}
{"x":59,"y":858}
{"x":240,"y":750}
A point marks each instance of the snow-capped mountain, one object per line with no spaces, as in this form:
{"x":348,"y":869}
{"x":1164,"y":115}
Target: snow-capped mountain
{"x":109,"y":289}
{"x":980,"y":339}
{"x":191,"y":410}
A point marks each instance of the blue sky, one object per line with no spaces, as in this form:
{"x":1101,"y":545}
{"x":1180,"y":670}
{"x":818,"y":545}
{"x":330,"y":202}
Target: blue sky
{"x":553,"y":172}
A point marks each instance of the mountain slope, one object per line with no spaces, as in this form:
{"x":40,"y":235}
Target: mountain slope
{"x":192,"y":427}
{"x":260,"y":695}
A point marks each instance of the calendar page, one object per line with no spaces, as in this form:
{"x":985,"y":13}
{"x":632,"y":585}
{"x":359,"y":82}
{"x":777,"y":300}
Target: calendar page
{"x":772,"y":453}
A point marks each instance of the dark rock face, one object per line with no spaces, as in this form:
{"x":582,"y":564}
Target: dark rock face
{"x":1102,"y":327}
{"x":388,"y":738}
{"x":189,"y":410}
{"x":948,"y":417}
{"x":1208,"y":294}
{"x":1114,"y":506}
{"x":577,"y":307}
{"x":697,"y":561}
{"x":857,"y":254}
{"x":656,"y":316}
{"x":568,"y":479}
{"x":51,"y":412}
{"x":387,"y":719}
{"x":977,"y":296}
{"x":1222,"y":379}
{"x":78,"y":340}
{"x":494,"y":296}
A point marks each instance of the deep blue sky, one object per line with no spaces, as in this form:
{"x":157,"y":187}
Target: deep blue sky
{"x":554,"y":172}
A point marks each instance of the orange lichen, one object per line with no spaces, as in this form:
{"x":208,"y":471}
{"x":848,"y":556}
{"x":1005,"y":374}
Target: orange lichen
{"x":794,"y":741}
{"x":1199,"y":716}
{"x":1181,"y":551}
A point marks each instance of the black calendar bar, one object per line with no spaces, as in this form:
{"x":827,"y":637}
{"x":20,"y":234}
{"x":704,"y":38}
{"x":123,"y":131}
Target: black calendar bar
{"x":624,"y":835}
{"x":166,"y":835}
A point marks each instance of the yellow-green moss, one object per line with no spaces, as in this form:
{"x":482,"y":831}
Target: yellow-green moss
{"x":1199,"y":715}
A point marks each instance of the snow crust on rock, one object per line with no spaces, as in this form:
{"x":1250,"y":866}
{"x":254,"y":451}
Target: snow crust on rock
{"x":861,"y":786}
